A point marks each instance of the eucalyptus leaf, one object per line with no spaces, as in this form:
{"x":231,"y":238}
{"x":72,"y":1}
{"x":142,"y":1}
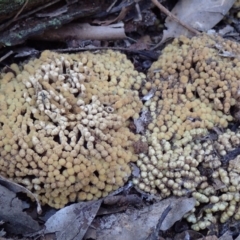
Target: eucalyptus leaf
{"x":199,"y":14}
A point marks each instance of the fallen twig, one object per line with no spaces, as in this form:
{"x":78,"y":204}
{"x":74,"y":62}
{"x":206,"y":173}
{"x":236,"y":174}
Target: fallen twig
{"x":36,"y":10}
{"x":169,"y":14}
{"x":12,"y":20}
{"x":173,"y":17}
{"x":137,"y":7}
{"x":111,"y":6}
{"x":16,"y":18}
{"x":24,"y":5}
{"x":6,"y":55}
{"x":84,"y":31}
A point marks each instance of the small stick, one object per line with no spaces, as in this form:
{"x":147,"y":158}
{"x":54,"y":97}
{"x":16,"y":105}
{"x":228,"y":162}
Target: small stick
{"x":36,"y":10}
{"x":6,"y":55}
{"x":138,"y":11}
{"x":24,"y":5}
{"x":111,"y":6}
{"x":172,"y":16}
{"x":6,"y":24}
{"x":16,"y":16}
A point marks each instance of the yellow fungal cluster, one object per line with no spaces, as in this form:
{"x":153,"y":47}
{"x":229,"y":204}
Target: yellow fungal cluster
{"x":170,"y":170}
{"x":222,"y":170}
{"x":63,"y":124}
{"x":206,"y":168}
{"x":196,"y":87}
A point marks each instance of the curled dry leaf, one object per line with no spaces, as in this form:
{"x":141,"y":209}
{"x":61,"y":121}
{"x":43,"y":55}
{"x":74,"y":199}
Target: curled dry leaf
{"x":16,"y":221}
{"x":16,"y":188}
{"x":226,"y":30}
{"x":129,"y":225}
{"x":209,"y":238}
{"x":226,"y":236}
{"x":72,"y":221}
{"x":238,"y":238}
{"x":179,"y":208}
{"x":200,"y":14}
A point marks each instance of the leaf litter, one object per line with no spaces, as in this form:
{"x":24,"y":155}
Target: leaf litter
{"x":199,"y":14}
{"x":16,"y":221}
{"x":71,"y":222}
{"x":129,"y":224}
{"x":16,"y":188}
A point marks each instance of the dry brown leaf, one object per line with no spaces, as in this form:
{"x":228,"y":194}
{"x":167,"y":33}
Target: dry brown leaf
{"x":72,"y":221}
{"x":226,"y":30}
{"x":226,"y":236}
{"x":129,"y":225}
{"x":16,"y":188}
{"x":238,"y":238}
{"x":208,"y":238}
{"x":200,"y":14}
{"x":16,"y":220}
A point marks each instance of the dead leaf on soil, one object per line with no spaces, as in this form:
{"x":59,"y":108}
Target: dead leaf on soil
{"x":226,"y":236}
{"x":129,"y":225}
{"x":16,"y":220}
{"x":208,"y":238}
{"x":16,"y":188}
{"x":73,"y":221}
{"x":200,"y":14}
{"x":179,"y":208}
{"x":238,"y":238}
{"x":226,"y":30}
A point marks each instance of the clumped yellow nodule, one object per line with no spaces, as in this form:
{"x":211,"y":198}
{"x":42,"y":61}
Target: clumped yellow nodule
{"x":63,"y":124}
{"x":196,"y":83}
